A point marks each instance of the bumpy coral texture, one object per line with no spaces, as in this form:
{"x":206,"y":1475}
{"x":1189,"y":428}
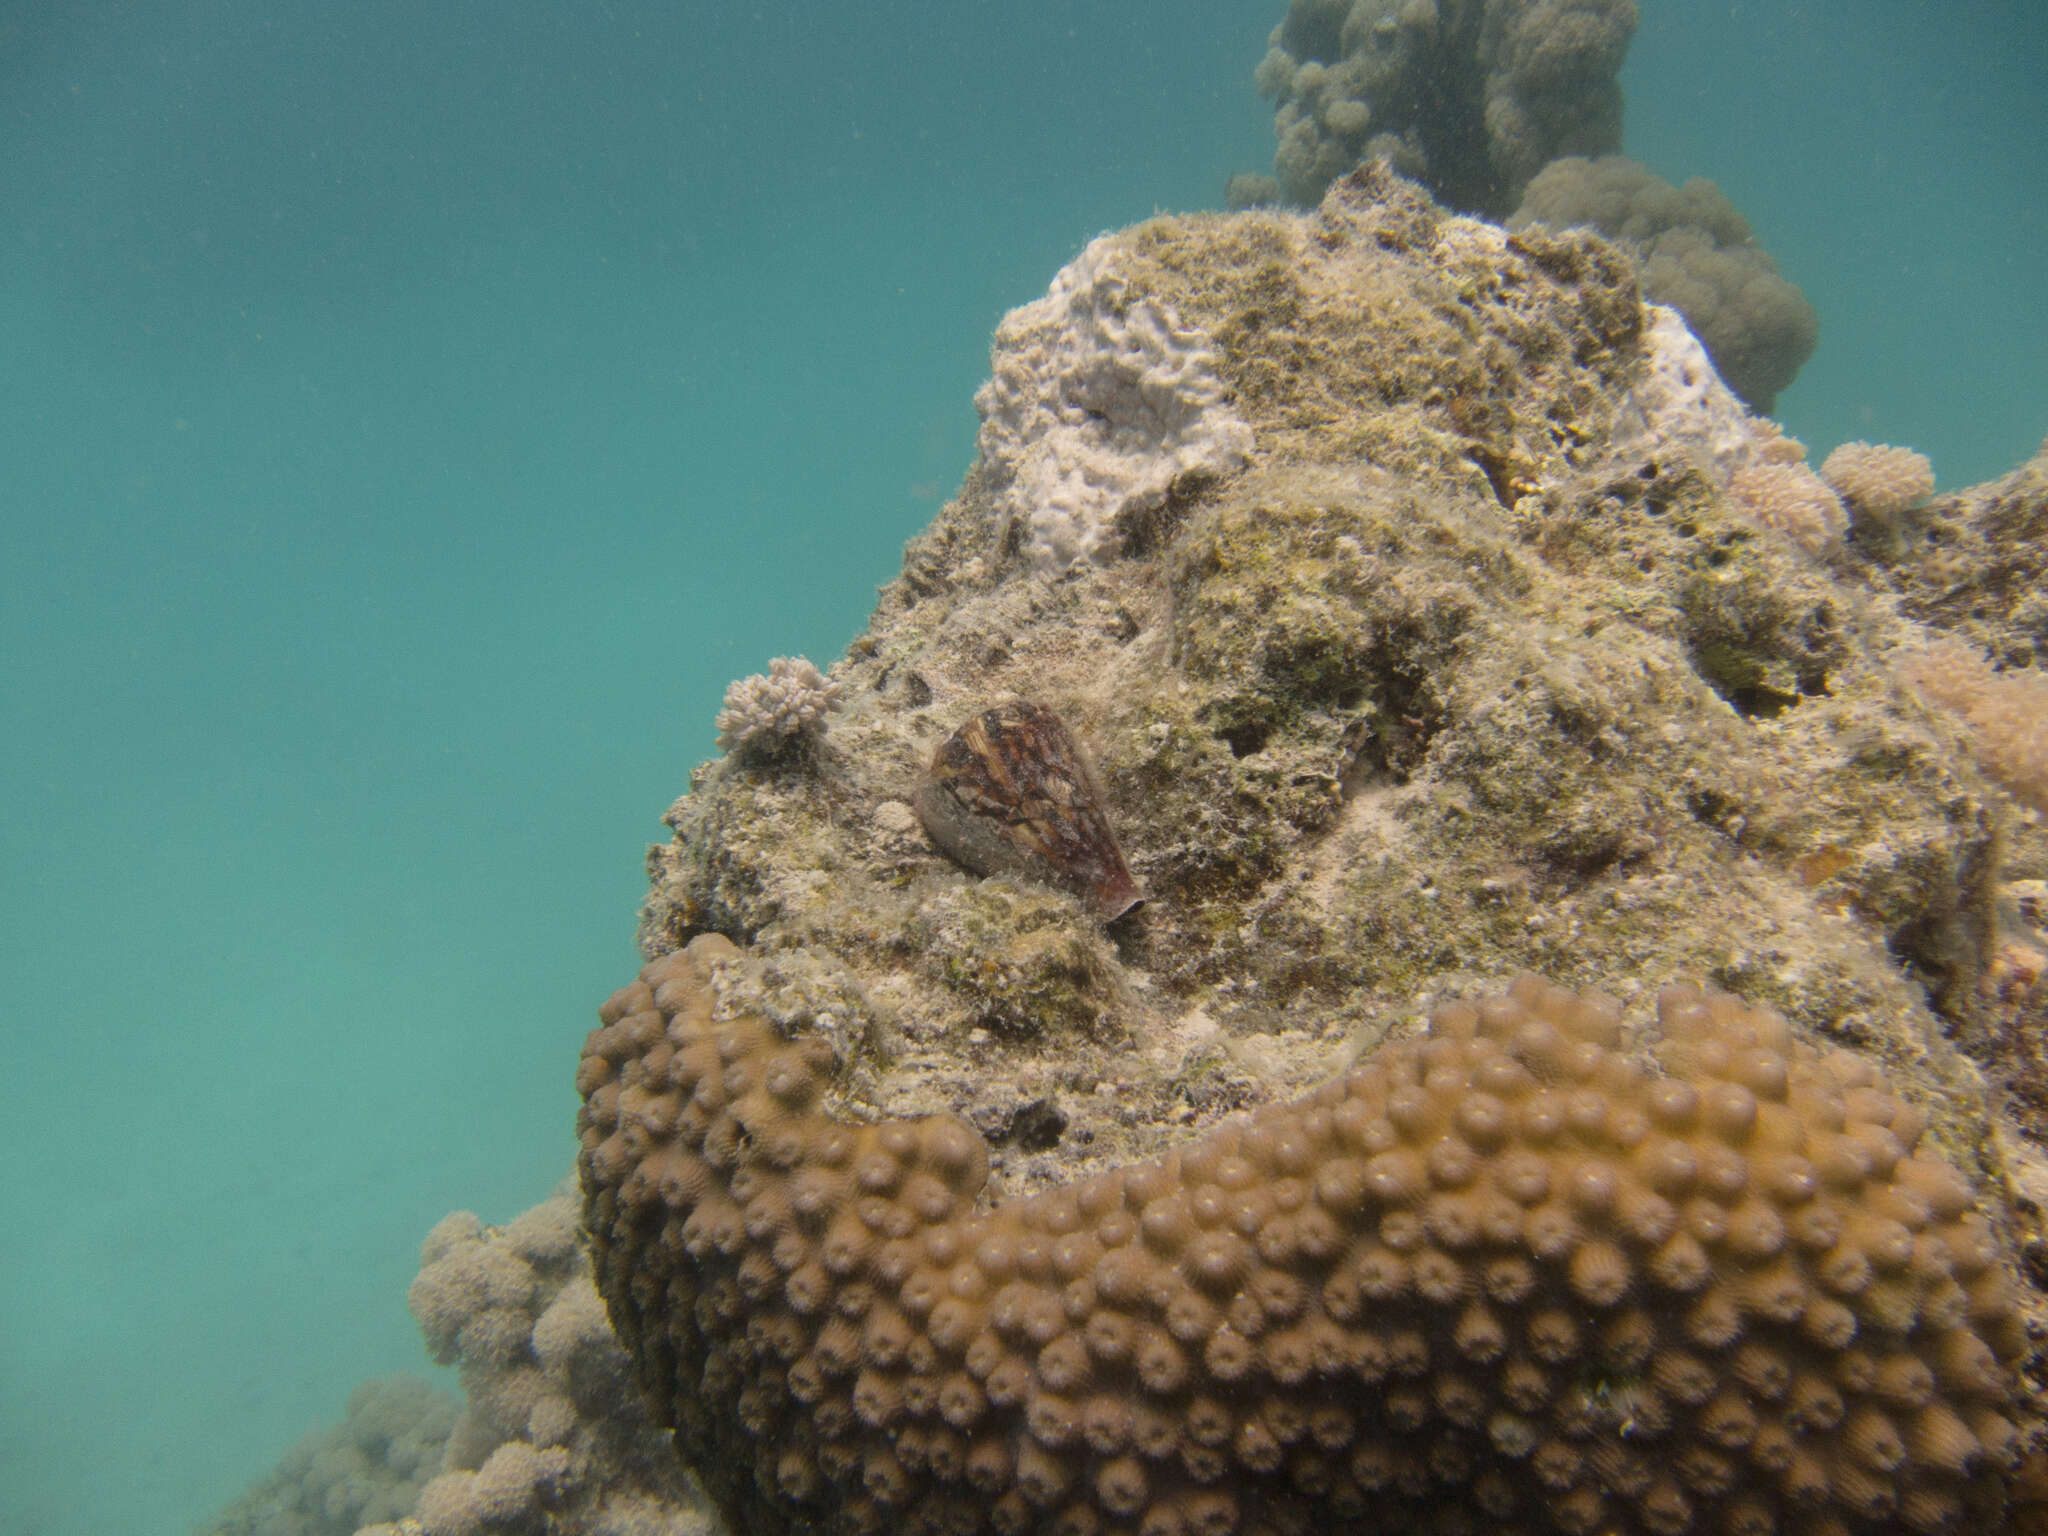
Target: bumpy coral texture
{"x":553,"y":1438}
{"x":766,"y":713}
{"x":1098,"y":399}
{"x":1502,"y":1278}
{"x":1698,"y":256}
{"x":1878,"y":481}
{"x":1469,"y":97}
{"x":369,"y":1468}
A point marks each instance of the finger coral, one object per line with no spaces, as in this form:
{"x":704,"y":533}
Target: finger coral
{"x":368,"y":1469}
{"x":1504,"y":1276}
{"x":1470,"y":99}
{"x":552,"y":1436}
{"x":773,"y":711}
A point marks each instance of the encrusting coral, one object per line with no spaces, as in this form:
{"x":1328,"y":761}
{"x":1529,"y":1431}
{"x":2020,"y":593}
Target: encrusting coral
{"x":1098,"y":399}
{"x":1500,"y":1278}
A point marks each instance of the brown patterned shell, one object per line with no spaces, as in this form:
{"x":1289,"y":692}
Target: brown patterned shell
{"x":1012,"y":792}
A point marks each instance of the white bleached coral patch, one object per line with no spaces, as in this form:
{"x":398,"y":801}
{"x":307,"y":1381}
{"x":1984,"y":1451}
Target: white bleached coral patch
{"x":1098,"y":398}
{"x":1681,"y":400}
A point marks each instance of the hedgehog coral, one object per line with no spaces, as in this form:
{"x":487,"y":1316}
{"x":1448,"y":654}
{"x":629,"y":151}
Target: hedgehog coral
{"x":1503,"y":1274}
{"x":769,"y":713}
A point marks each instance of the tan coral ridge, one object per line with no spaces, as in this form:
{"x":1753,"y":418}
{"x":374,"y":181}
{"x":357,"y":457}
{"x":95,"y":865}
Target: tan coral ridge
{"x":1499,"y":1278}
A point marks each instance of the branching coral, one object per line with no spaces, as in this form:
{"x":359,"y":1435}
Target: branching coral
{"x":552,"y":1438}
{"x":368,"y":1469}
{"x":773,"y":712}
{"x":1470,"y":97}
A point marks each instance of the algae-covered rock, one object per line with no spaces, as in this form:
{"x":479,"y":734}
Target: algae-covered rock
{"x":1473,"y":666}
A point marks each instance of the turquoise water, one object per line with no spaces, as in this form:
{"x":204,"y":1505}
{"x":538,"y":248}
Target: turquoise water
{"x":417,"y":414}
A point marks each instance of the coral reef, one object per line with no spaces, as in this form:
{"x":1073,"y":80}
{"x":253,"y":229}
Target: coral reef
{"x":1698,"y":256}
{"x":770,"y":713}
{"x":367,"y":1470}
{"x":553,"y":1436}
{"x":1465,"y":670}
{"x":1499,"y":1274}
{"x":1469,"y":97}
{"x":1480,"y":662}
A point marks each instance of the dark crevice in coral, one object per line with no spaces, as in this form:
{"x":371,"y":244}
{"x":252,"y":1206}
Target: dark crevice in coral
{"x":1246,"y":738}
{"x":1145,"y":527}
{"x":1499,"y":475}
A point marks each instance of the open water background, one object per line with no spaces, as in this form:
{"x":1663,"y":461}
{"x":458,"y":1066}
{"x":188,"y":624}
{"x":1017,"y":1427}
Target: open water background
{"x":414,"y":415}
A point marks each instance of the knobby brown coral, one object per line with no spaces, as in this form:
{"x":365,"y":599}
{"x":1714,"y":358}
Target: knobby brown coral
{"x":1503,"y":1277}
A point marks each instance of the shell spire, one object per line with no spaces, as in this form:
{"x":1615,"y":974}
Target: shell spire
{"x":1013,"y":792}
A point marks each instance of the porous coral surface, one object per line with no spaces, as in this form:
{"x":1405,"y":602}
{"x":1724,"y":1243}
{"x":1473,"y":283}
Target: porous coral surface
{"x":1098,"y":398}
{"x":1501,"y":1277}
